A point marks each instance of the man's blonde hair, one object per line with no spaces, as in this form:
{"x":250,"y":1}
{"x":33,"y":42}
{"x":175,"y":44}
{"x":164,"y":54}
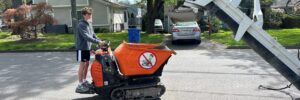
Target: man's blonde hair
{"x":86,"y":10}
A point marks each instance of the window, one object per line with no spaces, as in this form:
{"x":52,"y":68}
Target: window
{"x":125,"y":16}
{"x":79,"y":15}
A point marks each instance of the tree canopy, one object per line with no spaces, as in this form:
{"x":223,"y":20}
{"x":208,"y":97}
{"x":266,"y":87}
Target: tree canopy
{"x":26,"y":20}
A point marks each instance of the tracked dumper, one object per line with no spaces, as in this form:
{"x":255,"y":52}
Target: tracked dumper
{"x":132,"y":71}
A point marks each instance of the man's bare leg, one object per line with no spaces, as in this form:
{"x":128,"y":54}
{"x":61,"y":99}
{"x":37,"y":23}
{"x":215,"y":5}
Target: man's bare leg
{"x":80,"y":71}
{"x":85,"y":70}
{"x":81,"y":88}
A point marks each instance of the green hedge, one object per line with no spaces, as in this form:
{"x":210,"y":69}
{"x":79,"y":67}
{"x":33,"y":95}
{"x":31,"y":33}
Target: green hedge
{"x":272,"y":20}
{"x":291,"y":21}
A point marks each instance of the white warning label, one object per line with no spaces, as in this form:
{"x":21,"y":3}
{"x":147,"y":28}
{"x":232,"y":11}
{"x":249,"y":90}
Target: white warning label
{"x":147,"y":60}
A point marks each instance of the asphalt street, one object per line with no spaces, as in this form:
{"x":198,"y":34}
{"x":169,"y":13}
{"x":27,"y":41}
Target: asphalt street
{"x":197,"y":72}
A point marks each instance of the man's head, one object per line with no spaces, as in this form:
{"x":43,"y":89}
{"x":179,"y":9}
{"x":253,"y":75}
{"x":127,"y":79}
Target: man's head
{"x":87,"y":13}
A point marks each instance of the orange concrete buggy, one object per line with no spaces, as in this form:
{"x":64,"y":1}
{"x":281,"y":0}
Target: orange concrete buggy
{"x":132,"y":71}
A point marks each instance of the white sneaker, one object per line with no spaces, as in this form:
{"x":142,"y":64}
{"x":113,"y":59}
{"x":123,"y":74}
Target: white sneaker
{"x":82,"y":89}
{"x":87,"y":84}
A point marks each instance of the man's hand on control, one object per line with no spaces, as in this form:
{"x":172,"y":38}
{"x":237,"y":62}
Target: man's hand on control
{"x":101,"y":43}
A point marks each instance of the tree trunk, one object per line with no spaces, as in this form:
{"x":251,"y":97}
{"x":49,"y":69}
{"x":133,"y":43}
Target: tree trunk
{"x":149,"y":26}
{"x":19,"y":31}
{"x":209,"y":26}
{"x":35,"y":32}
{"x":152,"y":13}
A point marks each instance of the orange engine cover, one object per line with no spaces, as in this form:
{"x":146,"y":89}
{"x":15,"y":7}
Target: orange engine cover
{"x":96,"y":69}
{"x":96,"y":73}
{"x":140,"y":59}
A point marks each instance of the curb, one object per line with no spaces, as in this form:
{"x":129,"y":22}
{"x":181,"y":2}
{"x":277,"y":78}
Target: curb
{"x":33,"y":51}
{"x":247,"y":47}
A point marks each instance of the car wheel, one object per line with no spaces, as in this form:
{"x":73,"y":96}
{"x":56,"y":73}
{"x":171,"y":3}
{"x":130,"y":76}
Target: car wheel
{"x":198,"y":41}
{"x":174,"y":42}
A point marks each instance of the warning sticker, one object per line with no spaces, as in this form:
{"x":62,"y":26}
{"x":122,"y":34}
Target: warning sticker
{"x":147,"y":60}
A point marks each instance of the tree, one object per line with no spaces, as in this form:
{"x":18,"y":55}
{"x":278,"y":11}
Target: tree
{"x":141,"y":3}
{"x":155,"y":9}
{"x":153,"y":6}
{"x":31,"y":19}
{"x":5,"y":4}
{"x":171,"y":2}
{"x":296,"y":7}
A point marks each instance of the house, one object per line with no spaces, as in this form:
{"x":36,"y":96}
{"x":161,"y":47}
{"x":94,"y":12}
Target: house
{"x":134,"y":17}
{"x":280,"y":5}
{"x":107,"y":14}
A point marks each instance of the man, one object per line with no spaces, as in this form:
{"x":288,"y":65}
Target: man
{"x":85,"y":36}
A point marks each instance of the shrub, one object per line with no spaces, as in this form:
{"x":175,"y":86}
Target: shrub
{"x":101,"y":30}
{"x":291,"y":21}
{"x":27,"y":20}
{"x":272,"y":19}
{"x":203,"y":24}
{"x":97,"y":30}
{"x":216,"y":24}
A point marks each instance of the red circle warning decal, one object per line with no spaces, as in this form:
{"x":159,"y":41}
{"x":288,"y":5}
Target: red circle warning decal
{"x":147,"y":60}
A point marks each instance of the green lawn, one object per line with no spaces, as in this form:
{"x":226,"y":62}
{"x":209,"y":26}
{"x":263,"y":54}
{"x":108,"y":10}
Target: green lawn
{"x":286,"y":37}
{"x":65,"y":41}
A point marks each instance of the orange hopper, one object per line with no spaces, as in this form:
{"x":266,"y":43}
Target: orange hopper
{"x":141,"y":59}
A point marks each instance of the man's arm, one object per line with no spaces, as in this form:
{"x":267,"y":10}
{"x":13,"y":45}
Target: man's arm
{"x":83,"y":31}
{"x":95,"y":37}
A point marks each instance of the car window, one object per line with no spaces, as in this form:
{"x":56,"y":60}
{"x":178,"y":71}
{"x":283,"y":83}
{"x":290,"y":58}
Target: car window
{"x":158,"y":22}
{"x":185,"y":23}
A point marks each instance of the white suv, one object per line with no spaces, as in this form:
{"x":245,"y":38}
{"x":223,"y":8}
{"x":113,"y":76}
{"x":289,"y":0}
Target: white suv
{"x":189,"y":30}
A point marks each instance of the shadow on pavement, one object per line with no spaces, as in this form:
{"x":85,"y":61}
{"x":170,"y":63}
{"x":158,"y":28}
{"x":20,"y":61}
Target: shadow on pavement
{"x":30,"y":74}
{"x":265,"y":69}
{"x":96,"y":97}
{"x":247,"y":55}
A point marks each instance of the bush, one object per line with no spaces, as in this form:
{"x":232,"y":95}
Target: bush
{"x":203,"y":24}
{"x":272,"y":19}
{"x":215,"y":23}
{"x":291,"y":21}
{"x":27,"y":27}
{"x":101,"y":30}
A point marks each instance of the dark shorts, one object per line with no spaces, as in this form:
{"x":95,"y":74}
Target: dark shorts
{"x":83,"y":55}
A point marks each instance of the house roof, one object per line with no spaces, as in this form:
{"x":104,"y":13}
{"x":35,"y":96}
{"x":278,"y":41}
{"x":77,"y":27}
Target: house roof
{"x":282,"y":3}
{"x":112,"y":3}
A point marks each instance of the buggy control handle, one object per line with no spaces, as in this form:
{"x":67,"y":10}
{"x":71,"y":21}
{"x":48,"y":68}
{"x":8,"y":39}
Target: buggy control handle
{"x":104,"y":46}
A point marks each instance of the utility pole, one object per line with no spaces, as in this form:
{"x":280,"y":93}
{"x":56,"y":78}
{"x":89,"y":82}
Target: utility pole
{"x":74,"y":16}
